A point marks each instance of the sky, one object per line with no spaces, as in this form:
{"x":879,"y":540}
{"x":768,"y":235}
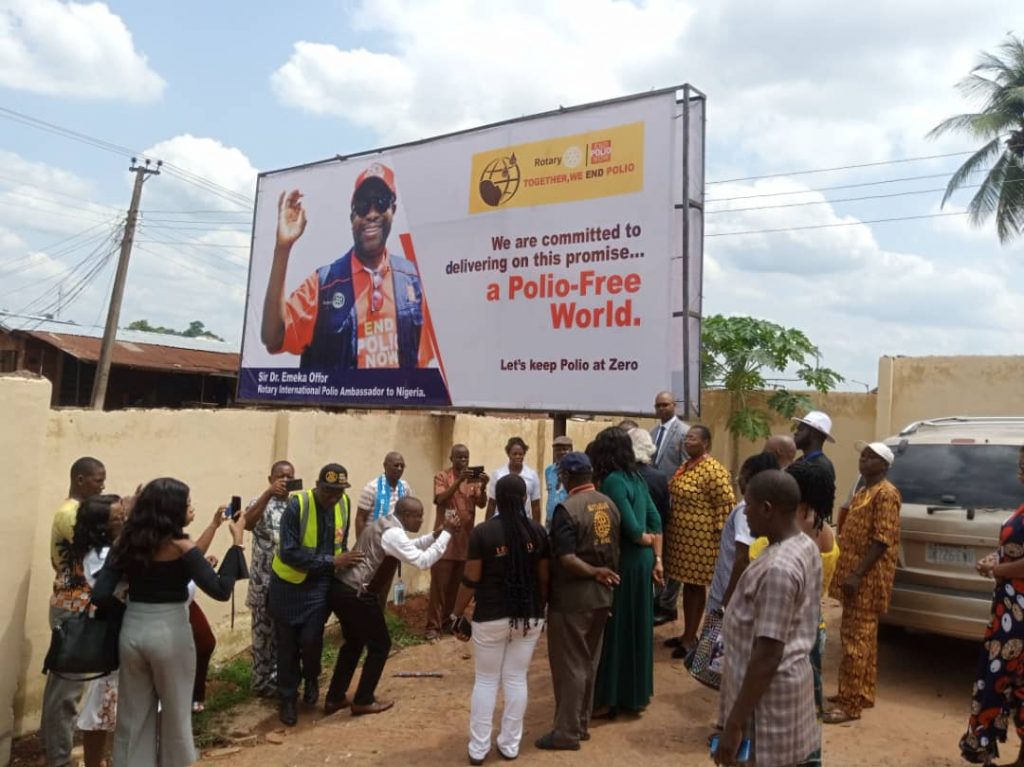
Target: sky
{"x":221,"y":91}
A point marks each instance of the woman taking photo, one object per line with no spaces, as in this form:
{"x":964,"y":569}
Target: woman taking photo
{"x":157,"y":559}
{"x":507,"y":574}
{"x":625,"y":678}
{"x":702,"y":497}
{"x":516,"y":449}
{"x":999,"y":688}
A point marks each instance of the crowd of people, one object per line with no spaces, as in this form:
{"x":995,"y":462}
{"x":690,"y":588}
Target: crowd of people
{"x":633,"y":524}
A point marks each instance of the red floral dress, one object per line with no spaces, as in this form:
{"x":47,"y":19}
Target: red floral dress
{"x":999,"y":689}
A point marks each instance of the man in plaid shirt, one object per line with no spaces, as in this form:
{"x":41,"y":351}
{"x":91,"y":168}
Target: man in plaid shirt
{"x":769,"y":630}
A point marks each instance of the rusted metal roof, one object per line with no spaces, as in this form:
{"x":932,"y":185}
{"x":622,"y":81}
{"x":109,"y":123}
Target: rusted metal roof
{"x":142,"y":355}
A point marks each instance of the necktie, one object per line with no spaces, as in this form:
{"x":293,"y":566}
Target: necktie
{"x":657,"y":441}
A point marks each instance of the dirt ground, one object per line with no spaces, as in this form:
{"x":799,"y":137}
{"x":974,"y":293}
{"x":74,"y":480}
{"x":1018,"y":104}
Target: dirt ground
{"x":924,"y":684}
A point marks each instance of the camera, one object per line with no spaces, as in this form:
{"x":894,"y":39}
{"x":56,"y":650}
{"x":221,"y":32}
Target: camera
{"x":293,"y":485}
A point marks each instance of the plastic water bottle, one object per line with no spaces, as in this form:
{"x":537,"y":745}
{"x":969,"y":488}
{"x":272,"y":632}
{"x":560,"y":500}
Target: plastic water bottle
{"x":399,"y":596}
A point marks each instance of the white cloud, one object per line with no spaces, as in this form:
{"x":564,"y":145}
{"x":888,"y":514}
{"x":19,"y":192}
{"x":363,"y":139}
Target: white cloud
{"x":193,"y":239}
{"x":932,"y":300}
{"x":771,"y":204}
{"x":185,"y":265}
{"x":228,"y":178}
{"x":44,"y":198}
{"x":75,"y":50}
{"x":448,"y":67}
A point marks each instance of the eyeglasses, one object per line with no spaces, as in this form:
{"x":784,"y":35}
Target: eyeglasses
{"x":380,"y":202}
{"x":376,"y":298}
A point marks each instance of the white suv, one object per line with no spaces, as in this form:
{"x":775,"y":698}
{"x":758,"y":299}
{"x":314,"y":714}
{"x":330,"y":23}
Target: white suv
{"x":958,"y":479}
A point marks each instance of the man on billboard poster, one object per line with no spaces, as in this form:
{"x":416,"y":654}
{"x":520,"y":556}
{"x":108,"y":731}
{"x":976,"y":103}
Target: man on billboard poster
{"x":363,"y":311}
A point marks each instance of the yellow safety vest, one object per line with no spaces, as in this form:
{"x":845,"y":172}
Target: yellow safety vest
{"x":308,"y":534}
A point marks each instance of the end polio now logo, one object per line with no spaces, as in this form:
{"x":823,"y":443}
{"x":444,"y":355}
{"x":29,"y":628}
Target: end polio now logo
{"x":600,"y":151}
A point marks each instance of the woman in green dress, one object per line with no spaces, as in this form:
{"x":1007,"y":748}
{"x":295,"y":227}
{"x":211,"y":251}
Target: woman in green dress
{"x":625,"y":678}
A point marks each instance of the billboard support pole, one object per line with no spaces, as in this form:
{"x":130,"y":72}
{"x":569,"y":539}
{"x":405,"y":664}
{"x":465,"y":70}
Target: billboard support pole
{"x":687,"y":394}
{"x":559,"y":421}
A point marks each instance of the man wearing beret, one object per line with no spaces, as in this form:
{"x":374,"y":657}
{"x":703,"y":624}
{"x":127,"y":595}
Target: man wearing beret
{"x":584,"y":570}
{"x":314,"y":533}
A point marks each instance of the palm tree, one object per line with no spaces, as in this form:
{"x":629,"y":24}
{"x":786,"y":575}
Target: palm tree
{"x":998,"y":79}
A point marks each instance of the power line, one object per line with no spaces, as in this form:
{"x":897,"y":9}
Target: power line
{"x":188,"y":265}
{"x":838,"y":186}
{"x":180,"y":243}
{"x":845,"y":199}
{"x":56,"y":255}
{"x":83,"y":273}
{"x":59,"y":248}
{"x":47,"y":211}
{"x":843,"y":167}
{"x":198,"y":226}
{"x":196,"y":244}
{"x":844,"y":223}
{"x":198,"y":212}
{"x":17,"y":183}
{"x":212,"y":187}
{"x":63,"y":205}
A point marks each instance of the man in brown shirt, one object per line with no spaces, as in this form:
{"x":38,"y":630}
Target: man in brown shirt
{"x":458,"y":491}
{"x":585,"y":546}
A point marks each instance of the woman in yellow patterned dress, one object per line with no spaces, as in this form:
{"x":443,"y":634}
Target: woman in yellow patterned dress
{"x":702,"y":497}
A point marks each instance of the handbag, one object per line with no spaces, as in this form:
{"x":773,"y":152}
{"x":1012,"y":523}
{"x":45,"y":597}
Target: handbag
{"x":83,"y":644}
{"x":706,"y":661}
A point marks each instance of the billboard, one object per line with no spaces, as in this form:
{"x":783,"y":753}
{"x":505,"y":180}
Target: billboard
{"x":535,"y":265}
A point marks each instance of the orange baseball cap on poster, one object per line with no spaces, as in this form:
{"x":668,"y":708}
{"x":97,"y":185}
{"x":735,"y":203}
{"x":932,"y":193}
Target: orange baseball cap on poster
{"x":376,"y":170}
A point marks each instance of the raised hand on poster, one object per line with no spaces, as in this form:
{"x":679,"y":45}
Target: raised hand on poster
{"x":291,"y":218}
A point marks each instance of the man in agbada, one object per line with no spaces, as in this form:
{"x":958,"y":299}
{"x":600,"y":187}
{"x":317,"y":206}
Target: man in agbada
{"x":314,"y":533}
{"x":585,"y":548}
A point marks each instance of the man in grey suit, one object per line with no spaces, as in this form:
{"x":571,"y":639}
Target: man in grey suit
{"x":668,"y":439}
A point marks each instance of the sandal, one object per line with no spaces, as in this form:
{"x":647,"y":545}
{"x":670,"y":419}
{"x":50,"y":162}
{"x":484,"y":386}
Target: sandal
{"x":838,"y":716}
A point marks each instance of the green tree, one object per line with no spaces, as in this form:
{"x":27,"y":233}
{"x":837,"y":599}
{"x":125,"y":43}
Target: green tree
{"x":737,"y":352}
{"x":195,"y":329}
{"x":998,"y":82}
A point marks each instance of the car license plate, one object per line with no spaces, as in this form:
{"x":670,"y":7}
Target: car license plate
{"x":941,"y":554}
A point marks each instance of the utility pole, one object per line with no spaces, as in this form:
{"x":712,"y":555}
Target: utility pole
{"x":99,"y":388}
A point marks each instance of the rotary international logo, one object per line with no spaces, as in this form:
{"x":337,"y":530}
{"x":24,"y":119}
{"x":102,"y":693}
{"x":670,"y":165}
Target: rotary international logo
{"x":500,"y":180}
{"x":331,"y":477}
{"x":602,"y":523}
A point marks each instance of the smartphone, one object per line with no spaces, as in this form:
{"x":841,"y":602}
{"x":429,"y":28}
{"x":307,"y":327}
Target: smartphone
{"x":233,"y":507}
{"x":476,"y":471}
{"x":743,"y":755}
{"x":293,"y":485}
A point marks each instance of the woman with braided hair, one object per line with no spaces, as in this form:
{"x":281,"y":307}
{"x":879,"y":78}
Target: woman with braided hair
{"x":507,"y":576}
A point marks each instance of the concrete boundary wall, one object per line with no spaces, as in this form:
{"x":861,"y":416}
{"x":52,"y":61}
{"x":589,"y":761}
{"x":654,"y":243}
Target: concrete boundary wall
{"x":221,"y":453}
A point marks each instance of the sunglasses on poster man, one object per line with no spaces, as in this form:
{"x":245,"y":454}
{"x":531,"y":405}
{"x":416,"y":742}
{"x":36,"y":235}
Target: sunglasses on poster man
{"x":380,"y":201}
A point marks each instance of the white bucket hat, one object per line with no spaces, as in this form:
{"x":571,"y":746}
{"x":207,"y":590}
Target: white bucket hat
{"x":819,"y":422}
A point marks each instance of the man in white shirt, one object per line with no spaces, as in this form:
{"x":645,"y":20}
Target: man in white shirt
{"x":381,"y":494}
{"x":356,"y":599}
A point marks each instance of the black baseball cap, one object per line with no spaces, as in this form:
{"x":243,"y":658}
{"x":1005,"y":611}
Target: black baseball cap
{"x":334,"y":476}
{"x":575,"y":463}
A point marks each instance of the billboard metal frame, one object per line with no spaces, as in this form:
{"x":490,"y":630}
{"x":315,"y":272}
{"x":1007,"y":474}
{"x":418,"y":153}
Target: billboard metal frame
{"x":691,"y":400}
{"x":689,"y":94}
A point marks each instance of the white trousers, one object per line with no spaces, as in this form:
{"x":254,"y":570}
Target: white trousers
{"x":503,"y":657}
